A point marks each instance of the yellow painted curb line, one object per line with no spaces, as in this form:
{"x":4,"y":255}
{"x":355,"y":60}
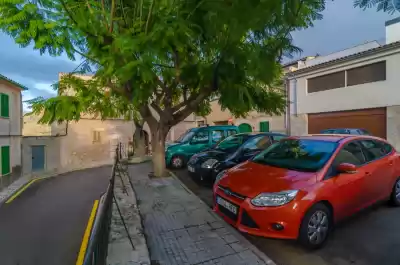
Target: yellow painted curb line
{"x":21,"y":191}
{"x":86,"y":235}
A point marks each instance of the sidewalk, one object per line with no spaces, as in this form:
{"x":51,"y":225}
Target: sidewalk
{"x":181,"y":229}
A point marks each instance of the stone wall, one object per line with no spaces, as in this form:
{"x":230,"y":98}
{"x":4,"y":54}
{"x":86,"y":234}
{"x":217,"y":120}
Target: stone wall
{"x":93,"y":142}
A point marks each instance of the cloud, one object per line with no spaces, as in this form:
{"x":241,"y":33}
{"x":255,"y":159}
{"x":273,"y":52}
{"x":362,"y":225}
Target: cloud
{"x":343,"y":26}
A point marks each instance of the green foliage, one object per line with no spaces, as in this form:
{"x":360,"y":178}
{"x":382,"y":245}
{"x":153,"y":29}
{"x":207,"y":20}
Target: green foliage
{"x":174,"y":55}
{"x":381,"y":5}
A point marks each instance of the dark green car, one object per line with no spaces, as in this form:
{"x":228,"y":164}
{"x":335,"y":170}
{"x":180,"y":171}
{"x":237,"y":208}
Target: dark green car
{"x":195,"y":140}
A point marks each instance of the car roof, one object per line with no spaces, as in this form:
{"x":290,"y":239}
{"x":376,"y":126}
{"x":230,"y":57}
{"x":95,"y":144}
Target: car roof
{"x":261,"y":133}
{"x":214,"y":127}
{"x":335,"y":137}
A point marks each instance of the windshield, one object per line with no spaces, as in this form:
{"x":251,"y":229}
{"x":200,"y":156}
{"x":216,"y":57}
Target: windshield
{"x":232,"y":142}
{"x":185,"y":137}
{"x":301,"y":155}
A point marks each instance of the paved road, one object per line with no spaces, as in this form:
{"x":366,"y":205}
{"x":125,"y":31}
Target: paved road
{"x":45,"y":224}
{"x":370,"y":238}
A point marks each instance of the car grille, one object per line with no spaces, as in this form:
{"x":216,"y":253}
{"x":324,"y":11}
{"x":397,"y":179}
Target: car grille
{"x":246,"y":220}
{"x":228,"y":192}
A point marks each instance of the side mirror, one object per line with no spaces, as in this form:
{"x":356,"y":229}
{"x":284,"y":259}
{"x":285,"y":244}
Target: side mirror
{"x":347,"y":168}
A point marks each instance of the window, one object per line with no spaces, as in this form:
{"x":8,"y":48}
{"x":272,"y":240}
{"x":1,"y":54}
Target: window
{"x":365,"y":132}
{"x":299,"y":155}
{"x":264,"y":126}
{"x":201,"y":137}
{"x":96,"y":136}
{"x":232,"y":142}
{"x":5,"y":160}
{"x":217,"y":136}
{"x":355,"y":76}
{"x":4,"y":106}
{"x":231,"y":132}
{"x":366,"y":74}
{"x":350,"y":153}
{"x":257,"y":143}
{"x":277,"y":138}
{"x":326,"y":82}
{"x":185,"y":137}
{"x":373,"y":149}
{"x":200,"y":123}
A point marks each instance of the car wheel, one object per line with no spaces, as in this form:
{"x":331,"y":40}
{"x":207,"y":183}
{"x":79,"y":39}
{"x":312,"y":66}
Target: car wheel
{"x":315,"y":227}
{"x":395,"y":195}
{"x":177,"y":162}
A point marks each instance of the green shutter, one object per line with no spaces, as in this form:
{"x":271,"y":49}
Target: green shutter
{"x":5,"y":160}
{"x":5,"y":106}
{"x":264,"y":126}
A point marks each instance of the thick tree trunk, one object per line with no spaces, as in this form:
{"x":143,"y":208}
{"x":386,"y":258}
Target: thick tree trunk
{"x":158,"y":146}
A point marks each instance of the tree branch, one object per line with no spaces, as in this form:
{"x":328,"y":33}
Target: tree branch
{"x":112,"y":15}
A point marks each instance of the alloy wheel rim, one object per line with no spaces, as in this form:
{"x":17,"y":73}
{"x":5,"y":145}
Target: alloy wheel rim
{"x":397,"y":190}
{"x":177,"y":162}
{"x":318,"y":226}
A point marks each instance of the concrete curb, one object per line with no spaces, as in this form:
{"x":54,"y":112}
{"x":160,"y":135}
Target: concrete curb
{"x":235,"y":232}
{"x":139,"y":160}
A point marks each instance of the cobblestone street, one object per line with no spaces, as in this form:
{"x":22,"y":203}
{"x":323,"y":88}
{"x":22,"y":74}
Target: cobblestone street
{"x":181,"y":229}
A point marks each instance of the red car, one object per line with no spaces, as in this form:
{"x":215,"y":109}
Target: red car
{"x":299,"y":187}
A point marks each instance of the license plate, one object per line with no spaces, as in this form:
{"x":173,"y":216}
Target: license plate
{"x":229,"y":206}
{"x":191,"y":169}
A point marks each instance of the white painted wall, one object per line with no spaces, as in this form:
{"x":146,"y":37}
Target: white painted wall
{"x":370,"y":95}
{"x":392,"y":33}
{"x":340,"y":54}
{"x":11,"y":128}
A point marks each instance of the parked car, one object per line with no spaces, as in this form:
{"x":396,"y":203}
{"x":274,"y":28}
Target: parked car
{"x":300,"y":186}
{"x":346,"y":131}
{"x":195,"y":140}
{"x":233,"y":150}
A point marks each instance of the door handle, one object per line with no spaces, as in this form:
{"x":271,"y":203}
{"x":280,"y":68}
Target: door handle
{"x":367,"y":173}
{"x":390,"y":163}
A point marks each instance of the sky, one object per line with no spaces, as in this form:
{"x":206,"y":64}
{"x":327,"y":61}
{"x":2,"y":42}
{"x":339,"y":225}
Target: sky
{"x":343,"y":26}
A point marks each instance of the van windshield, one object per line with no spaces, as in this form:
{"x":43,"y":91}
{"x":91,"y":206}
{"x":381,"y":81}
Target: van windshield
{"x":185,"y":137}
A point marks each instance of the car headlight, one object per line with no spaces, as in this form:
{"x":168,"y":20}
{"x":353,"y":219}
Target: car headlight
{"x":209,"y":163}
{"x":220,"y":175}
{"x":274,"y":199}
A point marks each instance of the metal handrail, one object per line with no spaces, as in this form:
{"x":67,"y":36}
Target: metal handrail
{"x":96,"y":252}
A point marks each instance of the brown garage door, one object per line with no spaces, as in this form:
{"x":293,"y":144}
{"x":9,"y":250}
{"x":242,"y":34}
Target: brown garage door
{"x":373,"y":120}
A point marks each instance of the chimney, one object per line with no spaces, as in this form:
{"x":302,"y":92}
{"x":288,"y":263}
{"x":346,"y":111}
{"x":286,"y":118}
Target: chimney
{"x":392,"y":30}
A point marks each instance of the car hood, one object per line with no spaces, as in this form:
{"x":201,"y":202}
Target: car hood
{"x":250,"y":179}
{"x":219,"y":155}
{"x":171,"y":144}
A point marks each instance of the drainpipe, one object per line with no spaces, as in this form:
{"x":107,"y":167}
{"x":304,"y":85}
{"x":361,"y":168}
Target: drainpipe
{"x":287,"y":113}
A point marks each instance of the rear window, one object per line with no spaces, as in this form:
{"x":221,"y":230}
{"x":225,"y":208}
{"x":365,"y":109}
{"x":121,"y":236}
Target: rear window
{"x":300,"y":155}
{"x":335,"y":131}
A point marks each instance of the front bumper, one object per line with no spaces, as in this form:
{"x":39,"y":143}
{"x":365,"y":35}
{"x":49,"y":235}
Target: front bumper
{"x":199,"y":173}
{"x":259,"y":221}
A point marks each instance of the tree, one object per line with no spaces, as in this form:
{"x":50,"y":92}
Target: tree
{"x":388,"y":6}
{"x":162,"y":59}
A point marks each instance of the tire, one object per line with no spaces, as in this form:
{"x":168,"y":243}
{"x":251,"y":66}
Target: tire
{"x":395,"y":195}
{"x":177,"y":162}
{"x":320,"y":217}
